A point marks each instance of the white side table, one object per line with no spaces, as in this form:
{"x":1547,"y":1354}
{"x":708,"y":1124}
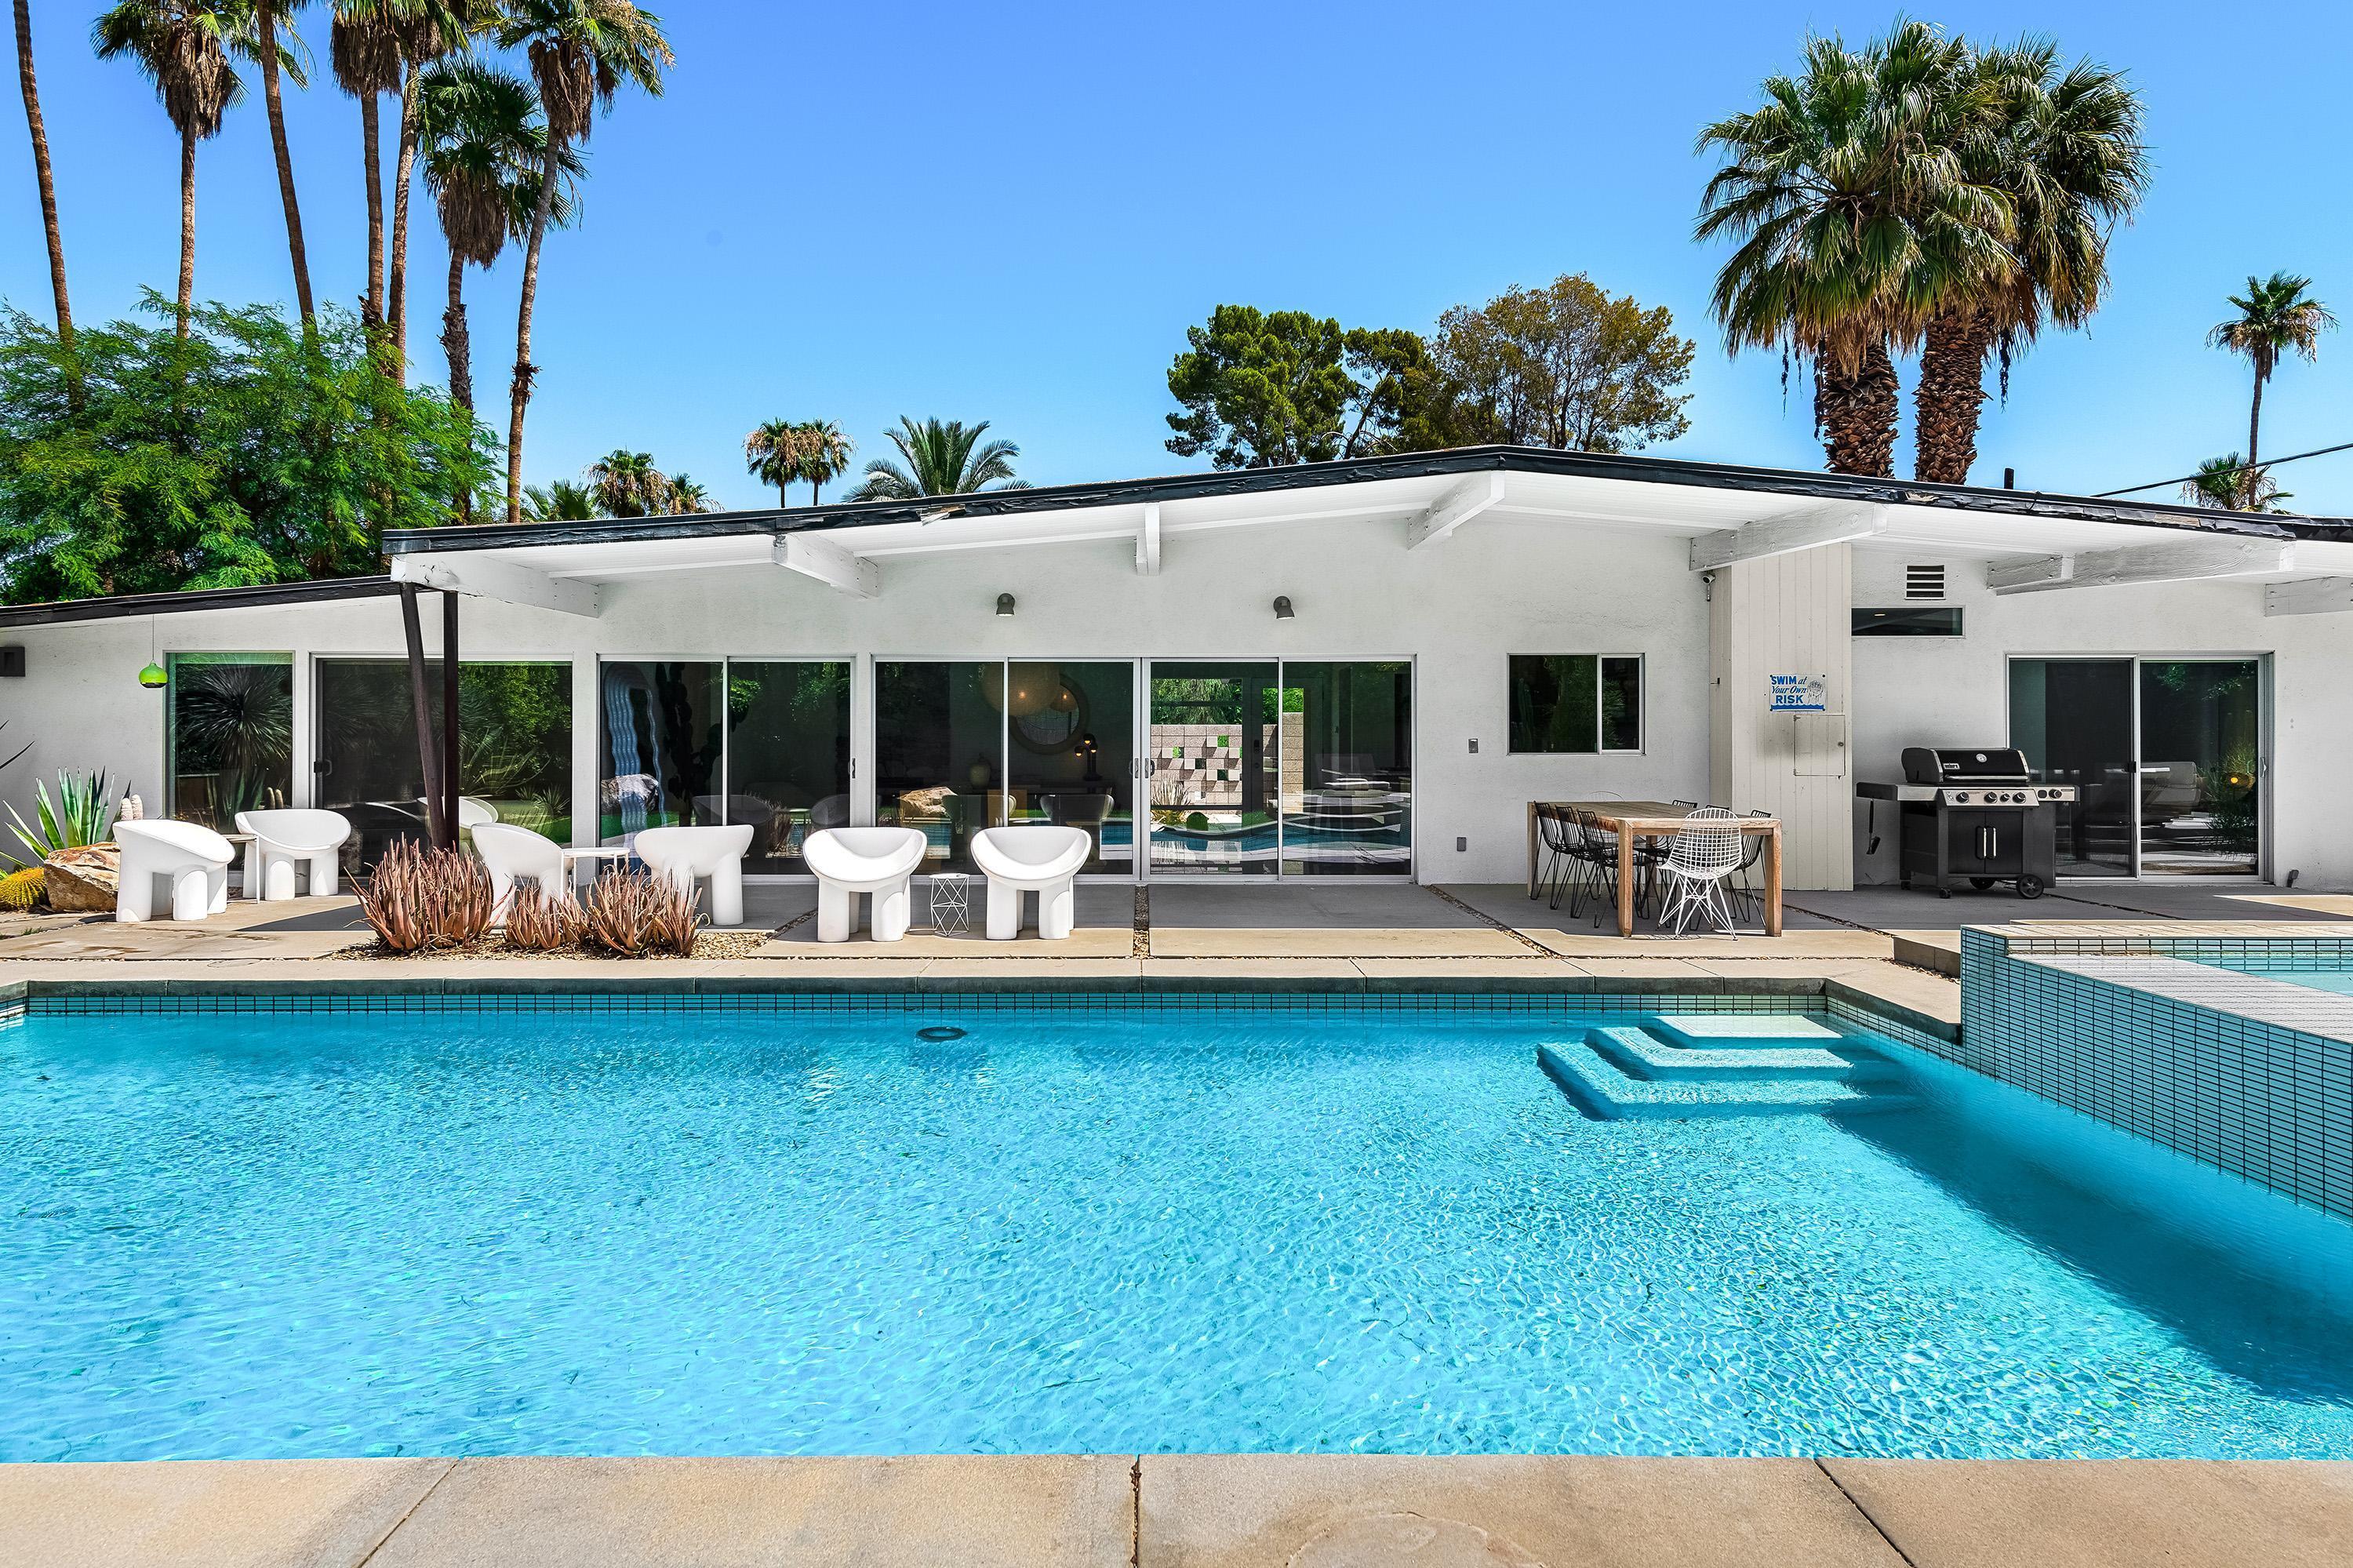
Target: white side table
{"x":951,"y":903}
{"x":591,"y":858}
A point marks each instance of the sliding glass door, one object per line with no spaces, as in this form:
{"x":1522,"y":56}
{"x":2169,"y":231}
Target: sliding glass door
{"x":1291,"y":768}
{"x":707,"y":741}
{"x":2165,"y":754}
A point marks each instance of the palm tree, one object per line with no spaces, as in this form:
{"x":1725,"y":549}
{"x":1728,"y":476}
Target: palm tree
{"x":825,"y":454}
{"x":772,"y":454}
{"x":581,"y":52}
{"x":1851,"y":211}
{"x":2275,"y":316}
{"x":2065,"y":148}
{"x":560,"y":501}
{"x":687,"y":498}
{"x":182,"y":45}
{"x":484,"y":145}
{"x":942,"y":459}
{"x":265,"y":49}
{"x":2227,"y":484}
{"x":365,"y":47}
{"x":627,"y":484}
{"x":425,"y":31}
{"x":41,"y":175}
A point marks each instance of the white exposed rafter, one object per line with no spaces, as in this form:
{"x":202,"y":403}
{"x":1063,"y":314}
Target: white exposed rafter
{"x":1147,"y":540}
{"x":1454,"y":509}
{"x":2313,"y":596}
{"x":830,"y":564}
{"x":480,"y":578}
{"x":2175,"y":561}
{"x":1838,"y":522}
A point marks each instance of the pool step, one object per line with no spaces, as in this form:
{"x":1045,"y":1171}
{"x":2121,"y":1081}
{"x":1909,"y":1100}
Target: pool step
{"x":1743,"y":1031}
{"x":1640,"y":1054}
{"x":1600,"y":1088}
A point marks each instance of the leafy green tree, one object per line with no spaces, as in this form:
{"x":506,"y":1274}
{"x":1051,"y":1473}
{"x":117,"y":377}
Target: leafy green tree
{"x":246,"y":452}
{"x":581,"y":52}
{"x":1400,"y":399}
{"x":940,"y":458}
{"x":1853,"y":216}
{"x":183,"y":46}
{"x":1261,"y":389}
{"x":560,"y":501}
{"x":2276,"y":315}
{"x":2064,"y":145}
{"x":1568,"y":365}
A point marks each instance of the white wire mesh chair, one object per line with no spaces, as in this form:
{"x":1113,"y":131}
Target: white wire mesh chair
{"x":1707,"y":851}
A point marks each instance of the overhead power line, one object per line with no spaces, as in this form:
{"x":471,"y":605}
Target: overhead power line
{"x":2187,"y":478}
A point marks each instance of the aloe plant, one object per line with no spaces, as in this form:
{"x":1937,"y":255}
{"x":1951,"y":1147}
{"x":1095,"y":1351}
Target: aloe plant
{"x":83,"y":813}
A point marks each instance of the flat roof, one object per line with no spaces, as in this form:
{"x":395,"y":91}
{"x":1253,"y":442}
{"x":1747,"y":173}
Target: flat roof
{"x":258,"y":596}
{"x":1360,"y":470}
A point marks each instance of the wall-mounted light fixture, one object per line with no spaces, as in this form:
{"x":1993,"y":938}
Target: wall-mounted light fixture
{"x":1005,"y":604}
{"x":1282,"y":610}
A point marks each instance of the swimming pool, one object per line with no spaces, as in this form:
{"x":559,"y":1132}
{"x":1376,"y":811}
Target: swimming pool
{"x":1221,"y":1227}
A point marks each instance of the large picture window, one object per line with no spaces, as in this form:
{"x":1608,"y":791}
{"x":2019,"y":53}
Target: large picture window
{"x":687,"y":742}
{"x":1580,"y":703}
{"x":229,"y":735}
{"x":514,"y":746}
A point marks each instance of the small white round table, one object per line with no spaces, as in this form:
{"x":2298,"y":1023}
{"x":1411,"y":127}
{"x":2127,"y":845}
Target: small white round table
{"x":951,"y":903}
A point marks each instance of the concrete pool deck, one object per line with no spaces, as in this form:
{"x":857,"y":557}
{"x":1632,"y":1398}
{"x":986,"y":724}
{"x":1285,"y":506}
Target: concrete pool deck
{"x":1177,"y":1511}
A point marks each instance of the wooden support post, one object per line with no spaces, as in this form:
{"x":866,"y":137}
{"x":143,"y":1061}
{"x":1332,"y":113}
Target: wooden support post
{"x":428,"y":764}
{"x":451,"y":822}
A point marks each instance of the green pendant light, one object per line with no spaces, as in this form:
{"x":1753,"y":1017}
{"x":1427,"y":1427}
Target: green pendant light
{"x":155,"y":677}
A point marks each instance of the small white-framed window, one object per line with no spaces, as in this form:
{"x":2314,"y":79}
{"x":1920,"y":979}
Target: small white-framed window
{"x":1589,"y":704}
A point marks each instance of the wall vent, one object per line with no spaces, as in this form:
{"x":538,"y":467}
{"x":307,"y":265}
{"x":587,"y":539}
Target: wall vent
{"x":1923,"y":582}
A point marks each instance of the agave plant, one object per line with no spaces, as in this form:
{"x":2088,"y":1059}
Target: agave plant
{"x":542,"y":922}
{"x":83,"y":813}
{"x":631,"y":914}
{"x":420,"y":899}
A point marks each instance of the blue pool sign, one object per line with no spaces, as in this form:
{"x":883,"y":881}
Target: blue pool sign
{"x":1797,"y":694}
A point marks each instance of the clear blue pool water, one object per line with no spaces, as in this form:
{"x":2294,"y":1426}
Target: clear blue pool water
{"x":566,"y":1232}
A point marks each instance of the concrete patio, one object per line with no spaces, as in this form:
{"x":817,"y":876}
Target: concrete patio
{"x":1177,"y":1511}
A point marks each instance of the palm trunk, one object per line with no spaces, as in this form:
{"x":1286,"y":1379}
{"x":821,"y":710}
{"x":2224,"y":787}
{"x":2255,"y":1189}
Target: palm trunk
{"x":25,"y":80}
{"x":813,"y":493}
{"x":265,"y":15}
{"x":372,"y":155}
{"x":1855,"y":413}
{"x":1952,"y":388}
{"x":519,"y":391}
{"x":454,"y":342}
{"x":187,"y":229}
{"x":2251,"y":476}
{"x":404,"y":175}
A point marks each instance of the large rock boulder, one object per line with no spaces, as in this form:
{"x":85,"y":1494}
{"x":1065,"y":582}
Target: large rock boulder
{"x":83,"y":881}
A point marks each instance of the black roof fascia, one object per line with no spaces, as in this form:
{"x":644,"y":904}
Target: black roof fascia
{"x":1359,"y":470}
{"x":262,"y":596}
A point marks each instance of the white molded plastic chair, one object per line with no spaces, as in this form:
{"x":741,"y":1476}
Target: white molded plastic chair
{"x":195,"y":859}
{"x":513,"y":854}
{"x":1036,"y":859}
{"x":686,"y":855}
{"x":1706,"y":851}
{"x":284,"y":842}
{"x":851,"y":861}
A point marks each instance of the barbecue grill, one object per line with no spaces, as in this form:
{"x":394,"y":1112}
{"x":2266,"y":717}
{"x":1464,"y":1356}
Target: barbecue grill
{"x":1973,"y":816}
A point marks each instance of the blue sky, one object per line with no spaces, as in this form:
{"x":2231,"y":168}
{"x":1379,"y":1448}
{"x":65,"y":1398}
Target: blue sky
{"x":1013,"y":212}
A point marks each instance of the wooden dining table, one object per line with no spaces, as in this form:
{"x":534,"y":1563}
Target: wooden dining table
{"x":1631,"y":820}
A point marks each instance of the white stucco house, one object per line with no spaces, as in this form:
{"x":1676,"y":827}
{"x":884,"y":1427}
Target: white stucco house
{"x":1363,"y":668}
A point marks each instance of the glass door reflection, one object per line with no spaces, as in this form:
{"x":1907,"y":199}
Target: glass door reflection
{"x":2199,"y":723}
{"x":1214,"y":760}
{"x":2074,"y":719}
{"x":1069,"y":753}
{"x":1348,"y":768}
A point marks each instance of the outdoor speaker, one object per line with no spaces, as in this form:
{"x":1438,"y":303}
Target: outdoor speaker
{"x":12,"y":660}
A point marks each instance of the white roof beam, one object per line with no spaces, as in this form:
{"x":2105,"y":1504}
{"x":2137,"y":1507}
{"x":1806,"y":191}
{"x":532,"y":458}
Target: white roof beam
{"x":1147,"y":540}
{"x":1838,"y":522}
{"x":2313,"y":596}
{"x":2189,"y":560}
{"x":478,"y":576}
{"x":1451,"y":511}
{"x":816,"y":556}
